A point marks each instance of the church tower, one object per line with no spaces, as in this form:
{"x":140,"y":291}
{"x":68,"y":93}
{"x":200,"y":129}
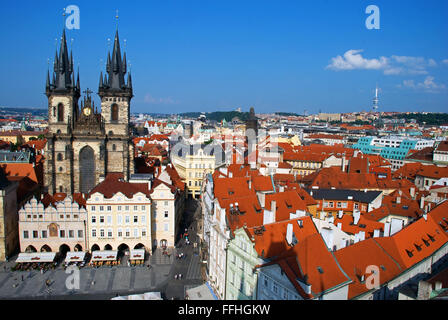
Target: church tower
{"x":116,"y":95}
{"x":62,"y":92}
{"x":63,"y":95}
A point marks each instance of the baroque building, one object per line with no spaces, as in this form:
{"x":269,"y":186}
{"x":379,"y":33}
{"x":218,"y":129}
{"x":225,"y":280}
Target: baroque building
{"x":83,"y":144}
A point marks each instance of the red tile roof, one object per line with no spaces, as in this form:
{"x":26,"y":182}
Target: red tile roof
{"x":286,"y":202}
{"x":249,"y":211}
{"x":20,"y":170}
{"x":309,"y":260}
{"x":418,"y":240}
{"x":114,"y":183}
{"x":443,"y":146}
{"x":355,"y":259}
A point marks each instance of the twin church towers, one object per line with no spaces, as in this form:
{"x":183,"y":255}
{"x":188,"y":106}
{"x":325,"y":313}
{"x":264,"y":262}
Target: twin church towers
{"x":82,"y":143}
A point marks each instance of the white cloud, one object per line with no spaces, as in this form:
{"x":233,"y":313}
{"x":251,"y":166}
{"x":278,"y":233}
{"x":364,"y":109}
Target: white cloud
{"x":149,"y":99}
{"x":394,"y":65}
{"x":354,"y":60}
{"x":445,"y":61}
{"x":428,"y":85}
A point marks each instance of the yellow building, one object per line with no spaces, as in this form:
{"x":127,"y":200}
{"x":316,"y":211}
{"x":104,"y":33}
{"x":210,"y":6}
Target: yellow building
{"x":19,"y":136}
{"x":193,"y":162}
{"x":293,"y":140}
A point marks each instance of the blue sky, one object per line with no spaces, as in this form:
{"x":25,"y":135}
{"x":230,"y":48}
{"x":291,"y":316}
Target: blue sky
{"x":194,"y":55}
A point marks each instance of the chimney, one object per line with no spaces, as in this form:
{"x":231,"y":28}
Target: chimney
{"x":425,"y":216}
{"x":356,"y":216}
{"x":398,"y":200}
{"x":387,"y":229}
{"x":422,"y":202}
{"x":282,"y":188}
{"x":412,"y":192}
{"x":250,"y":184}
{"x":340,"y":214}
{"x":274,"y":209}
{"x":289,"y":234}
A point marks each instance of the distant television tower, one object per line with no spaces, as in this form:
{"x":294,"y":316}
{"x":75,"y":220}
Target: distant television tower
{"x":375,"y":100}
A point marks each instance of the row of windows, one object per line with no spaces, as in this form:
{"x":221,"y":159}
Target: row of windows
{"x":196,"y":183}
{"x":200,"y":166}
{"x":110,"y":234}
{"x":44,"y":234}
{"x":61,"y":216}
{"x":197,"y":174}
{"x":119,"y":208}
{"x":127,"y":219}
{"x":342,"y":205}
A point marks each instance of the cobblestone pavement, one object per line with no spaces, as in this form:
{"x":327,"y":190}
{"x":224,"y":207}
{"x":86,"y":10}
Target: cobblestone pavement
{"x":107,"y":282}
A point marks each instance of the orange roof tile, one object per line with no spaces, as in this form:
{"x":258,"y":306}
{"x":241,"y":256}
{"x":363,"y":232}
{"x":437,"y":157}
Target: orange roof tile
{"x":355,"y":259}
{"x":20,"y":170}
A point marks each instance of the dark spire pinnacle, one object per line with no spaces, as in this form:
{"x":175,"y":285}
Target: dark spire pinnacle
{"x":129,"y":81}
{"x":63,"y":67}
{"x":48,"y":80}
{"x":78,"y":84}
{"x":124,"y":63}
{"x":116,"y":69}
{"x":56,"y":60}
{"x":101,"y":80}
{"x":108,"y":64}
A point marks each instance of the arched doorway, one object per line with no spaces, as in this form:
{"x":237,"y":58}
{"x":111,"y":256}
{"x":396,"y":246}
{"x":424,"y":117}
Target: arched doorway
{"x":86,"y":169}
{"x":123,"y":253}
{"x":45,"y":248}
{"x":30,"y":249}
{"x":107,"y":247}
{"x":63,"y":249}
{"x":78,"y":248}
{"x":139,"y":246}
{"x":95,"y":247}
{"x":163,"y":243}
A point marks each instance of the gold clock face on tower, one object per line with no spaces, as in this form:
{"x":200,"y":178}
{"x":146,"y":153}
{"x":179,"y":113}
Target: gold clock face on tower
{"x":87,"y":111}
